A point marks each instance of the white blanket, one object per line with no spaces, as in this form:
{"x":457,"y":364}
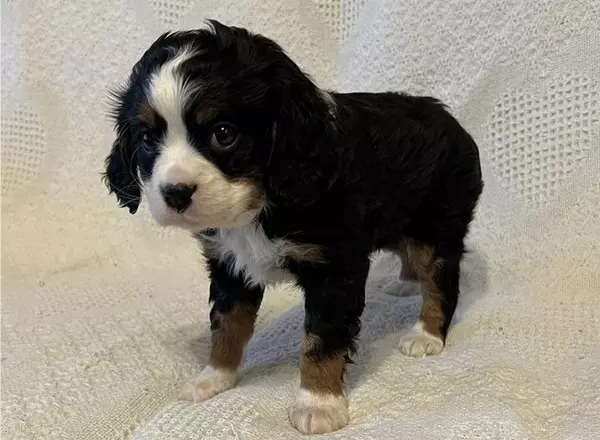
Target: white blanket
{"x":105,"y":315}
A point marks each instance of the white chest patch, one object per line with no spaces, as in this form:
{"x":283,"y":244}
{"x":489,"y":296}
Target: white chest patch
{"x":251,"y":254}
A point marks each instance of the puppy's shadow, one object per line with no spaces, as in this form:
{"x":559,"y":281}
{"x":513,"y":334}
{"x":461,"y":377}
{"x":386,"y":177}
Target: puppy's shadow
{"x":191,"y":344}
{"x":391,"y":308}
{"x":278,"y":345}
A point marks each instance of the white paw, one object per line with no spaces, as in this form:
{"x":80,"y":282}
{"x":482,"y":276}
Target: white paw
{"x":318,"y":414}
{"x":419,"y":343}
{"x":208,"y":384}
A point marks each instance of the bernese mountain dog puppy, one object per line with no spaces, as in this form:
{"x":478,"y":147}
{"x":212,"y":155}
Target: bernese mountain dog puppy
{"x":278,"y":179}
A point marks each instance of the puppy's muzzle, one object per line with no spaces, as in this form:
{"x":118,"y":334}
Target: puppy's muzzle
{"x":178,"y":197}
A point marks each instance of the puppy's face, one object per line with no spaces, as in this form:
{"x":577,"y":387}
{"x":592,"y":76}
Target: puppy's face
{"x":214,"y":123}
{"x":194,"y":152}
{"x":195,"y":128}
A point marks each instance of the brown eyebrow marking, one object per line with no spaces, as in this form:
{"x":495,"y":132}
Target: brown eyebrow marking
{"x":206,"y":114}
{"x":148,"y":115}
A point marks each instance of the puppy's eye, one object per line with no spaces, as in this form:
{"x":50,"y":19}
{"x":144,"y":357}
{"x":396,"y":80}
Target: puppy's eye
{"x":148,"y":140}
{"x":224,"y":135}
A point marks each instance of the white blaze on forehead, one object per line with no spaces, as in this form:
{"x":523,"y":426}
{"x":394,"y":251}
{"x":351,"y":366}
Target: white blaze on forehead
{"x":169,"y":94}
{"x":217,"y":201}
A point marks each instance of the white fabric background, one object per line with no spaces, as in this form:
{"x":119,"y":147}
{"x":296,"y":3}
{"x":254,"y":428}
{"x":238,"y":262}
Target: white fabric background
{"x":104,"y":315}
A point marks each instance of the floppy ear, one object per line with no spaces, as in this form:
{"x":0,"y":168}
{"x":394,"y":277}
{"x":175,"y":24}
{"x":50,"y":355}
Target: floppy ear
{"x":121,"y":172}
{"x":304,"y":160}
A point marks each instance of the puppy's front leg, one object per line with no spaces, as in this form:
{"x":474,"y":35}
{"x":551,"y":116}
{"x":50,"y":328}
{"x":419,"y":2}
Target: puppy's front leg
{"x":232,"y":318}
{"x":334,"y":301}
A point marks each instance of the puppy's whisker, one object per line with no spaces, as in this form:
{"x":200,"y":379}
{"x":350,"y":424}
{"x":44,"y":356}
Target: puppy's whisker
{"x":125,"y":195}
{"x":133,"y":169}
{"x":125,"y":189}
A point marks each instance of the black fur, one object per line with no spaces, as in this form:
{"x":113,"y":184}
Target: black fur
{"x":352,"y":172}
{"x":121,"y":171}
{"x":226,"y":290}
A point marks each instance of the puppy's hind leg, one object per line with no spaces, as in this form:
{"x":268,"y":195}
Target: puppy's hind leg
{"x":438,"y":277}
{"x":407,"y":272}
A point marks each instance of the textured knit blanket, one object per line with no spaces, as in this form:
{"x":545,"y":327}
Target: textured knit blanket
{"x":105,"y":315}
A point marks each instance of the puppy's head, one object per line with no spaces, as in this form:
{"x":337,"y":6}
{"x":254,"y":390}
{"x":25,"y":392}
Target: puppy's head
{"x":213,"y":124}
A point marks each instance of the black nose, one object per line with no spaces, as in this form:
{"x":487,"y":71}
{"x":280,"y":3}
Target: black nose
{"x":179,"y":196}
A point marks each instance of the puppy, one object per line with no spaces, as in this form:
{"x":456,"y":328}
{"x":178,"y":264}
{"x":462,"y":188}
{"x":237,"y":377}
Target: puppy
{"x":278,"y":179}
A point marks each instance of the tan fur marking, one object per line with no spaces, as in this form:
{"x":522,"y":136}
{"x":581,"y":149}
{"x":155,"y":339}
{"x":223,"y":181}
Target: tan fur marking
{"x":148,"y":115}
{"x":324,"y":377}
{"x":421,"y":258}
{"x":248,"y":193}
{"x":206,"y":114}
{"x":407,"y":272}
{"x":304,"y":252}
{"x":209,"y":248}
{"x":256,"y":199}
{"x":229,"y":338}
{"x":222,"y":201}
